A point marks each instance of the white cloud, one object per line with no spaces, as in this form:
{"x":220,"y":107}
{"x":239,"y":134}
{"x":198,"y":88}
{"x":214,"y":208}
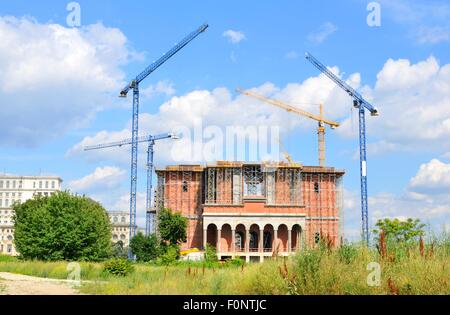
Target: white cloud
{"x":433,"y":35}
{"x":162,"y":87}
{"x":414,"y":105}
{"x":413,"y":99}
{"x":234,"y":36}
{"x":432,"y":177}
{"x":54,"y":78}
{"x":103,"y":178}
{"x":324,"y":31}
{"x":220,"y":108}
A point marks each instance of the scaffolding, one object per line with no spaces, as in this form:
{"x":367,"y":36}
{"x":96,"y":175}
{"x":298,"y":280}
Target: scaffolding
{"x":180,"y":190}
{"x":323,"y":201}
{"x":316,"y":192}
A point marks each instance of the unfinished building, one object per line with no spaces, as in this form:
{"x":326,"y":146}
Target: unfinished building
{"x":252,"y":210}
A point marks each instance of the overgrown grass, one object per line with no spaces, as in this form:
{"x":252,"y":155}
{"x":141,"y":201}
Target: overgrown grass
{"x":316,"y":271}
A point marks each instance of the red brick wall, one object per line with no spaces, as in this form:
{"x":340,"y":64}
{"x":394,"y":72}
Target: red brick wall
{"x":189,"y":203}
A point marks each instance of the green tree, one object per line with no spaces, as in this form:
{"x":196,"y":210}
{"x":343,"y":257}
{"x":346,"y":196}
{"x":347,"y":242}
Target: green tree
{"x":62,"y":227}
{"x":119,"y":250}
{"x":400,"y":231}
{"x":172,"y":226}
{"x":146,"y":248}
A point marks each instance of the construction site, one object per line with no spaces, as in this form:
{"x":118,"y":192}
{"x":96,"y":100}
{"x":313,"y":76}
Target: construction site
{"x":250,"y":210}
{"x":253,"y":210}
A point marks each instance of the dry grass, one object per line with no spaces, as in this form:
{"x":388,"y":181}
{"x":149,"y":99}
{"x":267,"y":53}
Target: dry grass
{"x":423,"y":269}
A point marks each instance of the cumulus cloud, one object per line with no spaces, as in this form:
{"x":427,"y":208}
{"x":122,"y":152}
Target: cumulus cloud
{"x":164,"y":87}
{"x":220,"y":108}
{"x":432,"y":177}
{"x":414,"y":105}
{"x":54,"y":78}
{"x":324,"y":31}
{"x":107,"y":177}
{"x":234,"y":37}
{"x":413,"y":100}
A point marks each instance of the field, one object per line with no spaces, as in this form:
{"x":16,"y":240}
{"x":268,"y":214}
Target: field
{"x":319,"y":271}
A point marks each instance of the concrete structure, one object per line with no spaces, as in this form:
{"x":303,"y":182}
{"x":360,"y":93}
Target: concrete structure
{"x":252,"y":210}
{"x":20,"y":189}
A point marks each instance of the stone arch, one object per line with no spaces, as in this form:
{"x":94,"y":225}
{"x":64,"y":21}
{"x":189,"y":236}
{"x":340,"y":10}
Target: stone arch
{"x":296,"y":237}
{"x":211,"y":234}
{"x":240,"y":235}
{"x":268,"y":237}
{"x":254,"y":237}
{"x":283,"y":237}
{"x":225,"y":238}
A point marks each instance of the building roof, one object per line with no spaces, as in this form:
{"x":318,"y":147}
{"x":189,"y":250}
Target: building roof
{"x":265,"y":164}
{"x":11,"y":176}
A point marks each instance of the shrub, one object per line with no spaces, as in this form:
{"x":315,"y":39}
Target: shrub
{"x":62,"y":227}
{"x":237,"y":262}
{"x":146,"y":248}
{"x":170,"y":255}
{"x":210,"y":253}
{"x":118,"y":267}
{"x":308,"y":265}
{"x":119,"y":250}
{"x":347,"y":253}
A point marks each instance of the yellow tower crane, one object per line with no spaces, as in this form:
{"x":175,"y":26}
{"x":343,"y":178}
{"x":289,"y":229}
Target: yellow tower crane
{"x":319,"y":118}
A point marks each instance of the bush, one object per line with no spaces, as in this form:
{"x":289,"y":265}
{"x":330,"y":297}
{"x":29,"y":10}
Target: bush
{"x":118,"y":267}
{"x":146,"y":248}
{"x":119,"y":251}
{"x":236,"y":262}
{"x":62,"y":227}
{"x":308,"y":265}
{"x":170,"y":255}
{"x":210,"y":253}
{"x":347,"y":253}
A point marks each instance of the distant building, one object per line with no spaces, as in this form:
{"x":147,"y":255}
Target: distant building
{"x":20,"y":189}
{"x":120,"y":221}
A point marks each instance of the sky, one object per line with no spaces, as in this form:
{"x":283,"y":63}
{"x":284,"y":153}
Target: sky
{"x":60,"y":81}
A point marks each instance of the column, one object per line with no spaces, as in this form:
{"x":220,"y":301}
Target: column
{"x":219,"y":236}
{"x":247,"y":240}
{"x":205,"y":234}
{"x":289,"y":241}
{"x":275,"y":240}
{"x":261,"y":241}
{"x":233,"y":241}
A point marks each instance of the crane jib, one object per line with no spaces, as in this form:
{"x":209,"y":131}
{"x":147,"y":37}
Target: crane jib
{"x":163,"y":59}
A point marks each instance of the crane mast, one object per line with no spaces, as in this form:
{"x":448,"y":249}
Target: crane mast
{"x":320,"y":119}
{"x":360,"y":103}
{"x":150,"y":213}
{"x":134,"y":85}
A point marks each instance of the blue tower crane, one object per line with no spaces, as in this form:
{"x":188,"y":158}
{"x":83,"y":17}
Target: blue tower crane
{"x":360,"y":103}
{"x":150,"y":215}
{"x":134,"y":85}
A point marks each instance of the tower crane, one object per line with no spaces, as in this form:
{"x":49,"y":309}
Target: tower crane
{"x":287,"y":156}
{"x":134,"y":85}
{"x":360,"y":103}
{"x":319,"y":118}
{"x":150,"y":213}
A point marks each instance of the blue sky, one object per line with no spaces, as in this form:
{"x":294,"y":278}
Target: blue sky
{"x":60,"y":85}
